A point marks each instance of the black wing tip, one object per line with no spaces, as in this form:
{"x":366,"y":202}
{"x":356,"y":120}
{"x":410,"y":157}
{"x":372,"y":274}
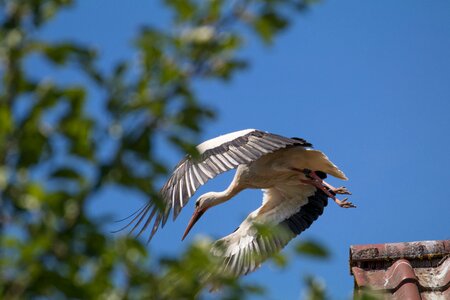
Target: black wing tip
{"x":141,"y":221}
{"x":308,"y":213}
{"x":303,"y":142}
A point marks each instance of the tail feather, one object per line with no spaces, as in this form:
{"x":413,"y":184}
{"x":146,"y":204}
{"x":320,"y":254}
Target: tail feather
{"x":322,"y":162}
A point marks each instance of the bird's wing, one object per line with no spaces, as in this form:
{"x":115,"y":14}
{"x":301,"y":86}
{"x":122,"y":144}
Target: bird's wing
{"x":286,"y":212}
{"x":217,"y":155}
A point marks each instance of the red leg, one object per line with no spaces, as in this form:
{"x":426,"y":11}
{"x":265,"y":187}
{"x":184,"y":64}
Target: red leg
{"x":329,"y":190}
{"x":339,"y":190}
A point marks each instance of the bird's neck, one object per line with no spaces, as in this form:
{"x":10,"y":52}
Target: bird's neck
{"x":223,"y":196}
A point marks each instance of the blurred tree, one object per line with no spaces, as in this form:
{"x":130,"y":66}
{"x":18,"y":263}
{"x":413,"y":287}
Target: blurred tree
{"x":52,"y":149}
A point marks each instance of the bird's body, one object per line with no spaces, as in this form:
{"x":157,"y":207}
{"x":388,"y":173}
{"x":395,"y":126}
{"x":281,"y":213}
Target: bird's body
{"x":289,"y":172}
{"x":280,"y":167}
{"x":288,"y":209}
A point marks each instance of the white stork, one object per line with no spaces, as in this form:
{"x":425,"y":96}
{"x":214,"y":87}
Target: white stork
{"x":289,"y":172}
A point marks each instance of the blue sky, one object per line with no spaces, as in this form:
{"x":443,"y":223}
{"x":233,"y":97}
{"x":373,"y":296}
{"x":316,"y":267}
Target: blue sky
{"x":367,"y":82}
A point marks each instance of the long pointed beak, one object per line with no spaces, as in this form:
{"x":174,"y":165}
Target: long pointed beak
{"x":195,"y":217}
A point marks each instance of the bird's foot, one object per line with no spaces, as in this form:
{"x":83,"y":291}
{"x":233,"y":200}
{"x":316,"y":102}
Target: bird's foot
{"x":328,"y":189}
{"x":340,"y":190}
{"x":344,"y":203}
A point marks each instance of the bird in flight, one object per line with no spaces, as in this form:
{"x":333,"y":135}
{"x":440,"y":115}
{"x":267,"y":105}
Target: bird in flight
{"x":288,"y":170}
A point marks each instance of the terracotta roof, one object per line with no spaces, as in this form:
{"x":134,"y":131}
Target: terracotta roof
{"x":416,"y":270}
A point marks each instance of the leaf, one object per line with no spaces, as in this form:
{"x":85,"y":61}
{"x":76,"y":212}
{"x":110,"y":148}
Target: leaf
{"x":315,"y":288}
{"x":66,"y":173}
{"x":312,"y":249}
{"x":368,"y":294}
{"x":62,"y":52}
{"x":268,"y":24}
{"x":280,"y":260}
{"x":6,"y":121}
{"x":184,"y":9}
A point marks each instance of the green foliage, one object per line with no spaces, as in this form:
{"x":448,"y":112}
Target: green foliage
{"x":52,"y":150}
{"x":316,"y":289}
{"x":312,"y":249}
{"x":367,"y":294}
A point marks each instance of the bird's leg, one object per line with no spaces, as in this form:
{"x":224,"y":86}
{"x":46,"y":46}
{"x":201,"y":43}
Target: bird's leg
{"x":340,"y":190}
{"x":329,"y":190}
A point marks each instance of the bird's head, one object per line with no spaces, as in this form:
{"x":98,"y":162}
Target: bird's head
{"x":203,"y":203}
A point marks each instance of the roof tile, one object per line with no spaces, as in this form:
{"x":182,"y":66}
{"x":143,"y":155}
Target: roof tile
{"x":417,"y":270}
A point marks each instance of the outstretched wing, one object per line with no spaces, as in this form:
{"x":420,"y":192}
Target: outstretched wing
{"x":287,"y":212}
{"x":217,"y":155}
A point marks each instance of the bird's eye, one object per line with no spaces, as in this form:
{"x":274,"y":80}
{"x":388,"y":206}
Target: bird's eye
{"x":197,"y":203}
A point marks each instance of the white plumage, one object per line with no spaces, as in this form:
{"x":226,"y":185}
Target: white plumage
{"x":288,"y":170}
{"x":221,"y":139}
